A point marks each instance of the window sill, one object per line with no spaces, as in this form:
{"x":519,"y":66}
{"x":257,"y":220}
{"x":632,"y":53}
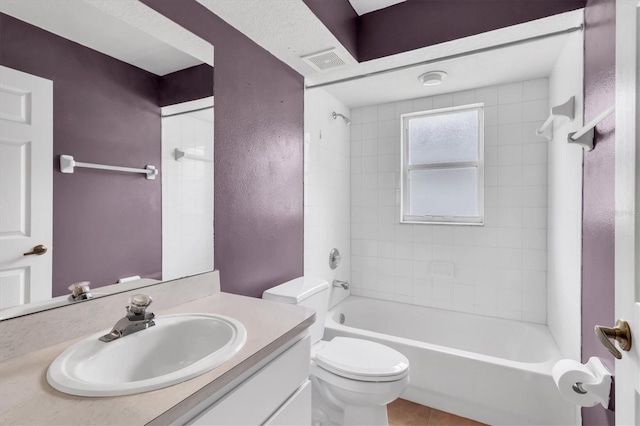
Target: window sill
{"x":425,"y":222}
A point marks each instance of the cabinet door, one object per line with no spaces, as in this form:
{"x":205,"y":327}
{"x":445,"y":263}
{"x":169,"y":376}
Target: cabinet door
{"x":296,"y":411}
{"x":255,"y":400}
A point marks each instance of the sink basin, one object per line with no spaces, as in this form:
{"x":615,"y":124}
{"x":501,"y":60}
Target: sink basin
{"x":177,"y":348}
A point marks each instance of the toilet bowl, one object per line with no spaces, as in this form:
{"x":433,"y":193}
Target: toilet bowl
{"x":355,"y":379}
{"x":352,"y":379}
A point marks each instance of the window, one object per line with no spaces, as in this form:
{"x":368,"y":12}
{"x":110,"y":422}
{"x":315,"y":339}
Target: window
{"x":442,"y":166}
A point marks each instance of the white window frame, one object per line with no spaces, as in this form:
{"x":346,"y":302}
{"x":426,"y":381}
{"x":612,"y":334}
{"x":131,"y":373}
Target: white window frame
{"x":405,"y":183}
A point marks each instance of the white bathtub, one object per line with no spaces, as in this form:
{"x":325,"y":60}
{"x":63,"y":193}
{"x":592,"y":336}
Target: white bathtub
{"x":491,"y":370}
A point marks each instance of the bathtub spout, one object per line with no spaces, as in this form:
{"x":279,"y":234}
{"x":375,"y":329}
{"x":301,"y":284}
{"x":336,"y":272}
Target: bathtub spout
{"x":343,"y":284}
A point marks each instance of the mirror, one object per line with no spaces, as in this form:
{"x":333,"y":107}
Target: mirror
{"x":107,"y":83}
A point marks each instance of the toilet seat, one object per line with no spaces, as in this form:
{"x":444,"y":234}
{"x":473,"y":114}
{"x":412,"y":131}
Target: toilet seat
{"x":361,"y":360}
{"x":372,"y":391}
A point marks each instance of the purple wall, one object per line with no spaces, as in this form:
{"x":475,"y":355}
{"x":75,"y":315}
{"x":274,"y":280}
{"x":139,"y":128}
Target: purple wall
{"x":186,"y":85}
{"x":340,"y":18}
{"x":599,"y":190}
{"x":258,"y":155}
{"x":106,"y":225}
{"x":419,"y":23}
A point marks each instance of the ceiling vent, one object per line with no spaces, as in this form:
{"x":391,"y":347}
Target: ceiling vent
{"x":324,"y":60}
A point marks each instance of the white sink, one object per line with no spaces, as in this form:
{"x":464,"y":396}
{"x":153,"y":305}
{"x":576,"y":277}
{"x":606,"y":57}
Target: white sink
{"x":177,"y":348}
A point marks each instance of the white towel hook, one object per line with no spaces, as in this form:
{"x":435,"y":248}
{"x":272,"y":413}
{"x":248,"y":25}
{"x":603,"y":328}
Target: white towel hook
{"x":180,"y":154}
{"x":584,"y":137}
{"x":567,"y":109}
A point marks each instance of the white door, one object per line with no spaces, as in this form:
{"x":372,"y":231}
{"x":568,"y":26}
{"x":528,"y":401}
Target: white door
{"x":627,"y":248}
{"x":26,"y":158}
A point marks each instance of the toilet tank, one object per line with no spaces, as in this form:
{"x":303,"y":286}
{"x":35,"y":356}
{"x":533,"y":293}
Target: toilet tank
{"x":309,"y":292}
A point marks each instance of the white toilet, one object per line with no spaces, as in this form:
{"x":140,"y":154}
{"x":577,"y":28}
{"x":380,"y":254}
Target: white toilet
{"x":353,"y":379}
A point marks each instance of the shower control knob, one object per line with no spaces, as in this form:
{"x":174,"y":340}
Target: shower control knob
{"x":334,"y":258}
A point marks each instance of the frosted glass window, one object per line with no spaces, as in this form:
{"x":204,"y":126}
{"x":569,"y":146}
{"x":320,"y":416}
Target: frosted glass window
{"x":444,"y":138}
{"x":444,"y":192}
{"x":442,"y":166}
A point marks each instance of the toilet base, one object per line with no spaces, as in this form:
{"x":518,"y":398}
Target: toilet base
{"x":329,"y":411}
{"x":372,"y":415}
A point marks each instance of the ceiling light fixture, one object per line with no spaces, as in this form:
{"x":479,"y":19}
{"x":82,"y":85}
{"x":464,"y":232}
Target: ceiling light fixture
{"x":432,"y":78}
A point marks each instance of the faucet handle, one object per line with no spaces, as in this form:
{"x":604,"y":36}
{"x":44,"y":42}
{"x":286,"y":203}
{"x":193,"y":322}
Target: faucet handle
{"x":139,"y":304}
{"x":80,"y":290}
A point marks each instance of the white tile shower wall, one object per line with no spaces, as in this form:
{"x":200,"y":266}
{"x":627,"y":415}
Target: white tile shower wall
{"x":187,"y":197}
{"x":565,"y":205}
{"x":498,"y":269}
{"x":326,"y":189}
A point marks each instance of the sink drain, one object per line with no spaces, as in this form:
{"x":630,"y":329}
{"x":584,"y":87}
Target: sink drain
{"x":341,"y":318}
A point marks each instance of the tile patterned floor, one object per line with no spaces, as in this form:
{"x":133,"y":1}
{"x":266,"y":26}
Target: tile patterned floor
{"x":406,"y":413}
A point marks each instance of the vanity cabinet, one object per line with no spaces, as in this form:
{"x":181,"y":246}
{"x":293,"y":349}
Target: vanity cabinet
{"x":279,"y":393}
{"x":296,"y":410}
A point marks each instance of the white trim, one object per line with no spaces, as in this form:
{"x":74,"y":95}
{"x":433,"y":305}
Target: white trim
{"x":406,"y":168}
{"x":452,"y":165}
{"x":627,"y":220}
{"x":187,"y":106}
{"x":443,"y":110}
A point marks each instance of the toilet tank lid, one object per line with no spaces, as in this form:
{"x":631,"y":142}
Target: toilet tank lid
{"x":296,"y":290}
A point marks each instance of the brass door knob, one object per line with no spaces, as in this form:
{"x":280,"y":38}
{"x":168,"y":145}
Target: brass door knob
{"x":621,"y":333}
{"x":39,"y":250}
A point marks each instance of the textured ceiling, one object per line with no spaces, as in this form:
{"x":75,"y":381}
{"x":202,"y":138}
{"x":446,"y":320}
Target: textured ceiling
{"x":517,"y":63}
{"x":126,"y":30}
{"x":287,"y":29}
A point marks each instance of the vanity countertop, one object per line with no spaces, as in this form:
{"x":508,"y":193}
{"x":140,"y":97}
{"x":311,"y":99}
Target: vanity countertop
{"x":27,"y":398}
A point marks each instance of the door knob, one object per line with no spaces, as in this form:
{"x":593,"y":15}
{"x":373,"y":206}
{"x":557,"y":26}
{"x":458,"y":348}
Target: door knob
{"x":39,"y":250}
{"x":621,"y":333}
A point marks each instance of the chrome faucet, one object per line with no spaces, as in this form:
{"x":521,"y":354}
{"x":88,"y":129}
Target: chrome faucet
{"x":343,"y":284}
{"x":137,"y":319}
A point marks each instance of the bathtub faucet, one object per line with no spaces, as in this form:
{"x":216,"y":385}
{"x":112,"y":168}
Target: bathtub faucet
{"x":343,"y":284}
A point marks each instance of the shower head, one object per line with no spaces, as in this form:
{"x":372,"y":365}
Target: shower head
{"x":345,"y":118}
